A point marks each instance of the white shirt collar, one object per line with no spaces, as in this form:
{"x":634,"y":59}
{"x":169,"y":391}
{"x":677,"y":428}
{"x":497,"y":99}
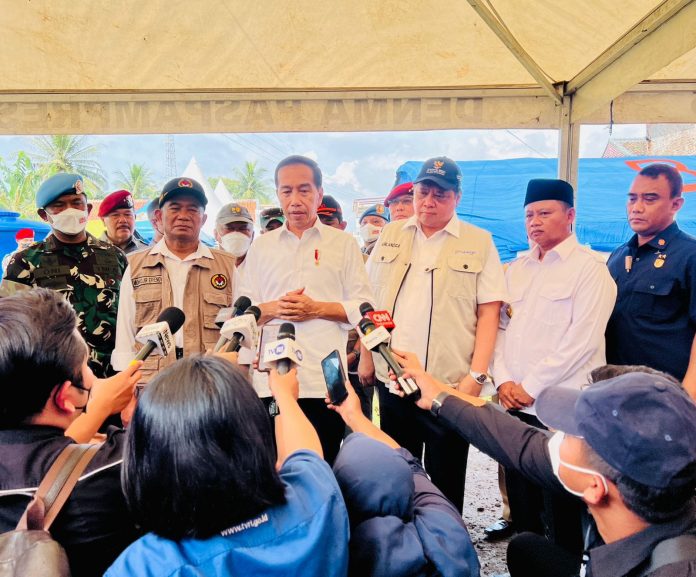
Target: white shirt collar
{"x":201,"y":252}
{"x":452,"y":227}
{"x":562,"y":250}
{"x":316,"y":228}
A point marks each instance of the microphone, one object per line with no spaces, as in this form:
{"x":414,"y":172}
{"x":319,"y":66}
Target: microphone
{"x":244,"y":330}
{"x":284,"y":355}
{"x":160,"y":334}
{"x":287,"y":331}
{"x":379,"y":318}
{"x":376,"y":339}
{"x":240,"y":305}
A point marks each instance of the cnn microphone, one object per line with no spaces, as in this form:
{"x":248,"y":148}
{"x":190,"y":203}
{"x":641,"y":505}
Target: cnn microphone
{"x":160,"y":334}
{"x":379,"y":318}
{"x":248,"y":328}
{"x":376,"y":339}
{"x":240,"y":305}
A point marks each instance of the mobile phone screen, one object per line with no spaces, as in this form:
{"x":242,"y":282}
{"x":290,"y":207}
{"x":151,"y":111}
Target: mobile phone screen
{"x":335,"y":378}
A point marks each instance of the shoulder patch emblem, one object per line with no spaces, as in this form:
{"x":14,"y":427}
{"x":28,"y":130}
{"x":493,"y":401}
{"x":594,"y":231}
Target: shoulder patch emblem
{"x":219,"y":281}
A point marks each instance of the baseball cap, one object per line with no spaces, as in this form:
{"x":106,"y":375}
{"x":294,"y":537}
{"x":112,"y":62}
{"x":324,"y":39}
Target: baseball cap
{"x":115,"y":201}
{"x":400,"y":190}
{"x":233,"y":212}
{"x":330,"y":207}
{"x":375,"y":210}
{"x":182,"y":185}
{"x":442,"y":171}
{"x":642,"y":424}
{"x":269,"y":214}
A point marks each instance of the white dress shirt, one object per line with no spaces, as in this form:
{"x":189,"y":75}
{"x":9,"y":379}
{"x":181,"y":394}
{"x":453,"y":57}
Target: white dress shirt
{"x":552,"y":334}
{"x":328,"y":264}
{"x":178,"y":270}
{"x":413,"y":304}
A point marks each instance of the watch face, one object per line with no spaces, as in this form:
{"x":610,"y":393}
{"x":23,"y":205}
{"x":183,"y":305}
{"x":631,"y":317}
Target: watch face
{"x":481,"y":379}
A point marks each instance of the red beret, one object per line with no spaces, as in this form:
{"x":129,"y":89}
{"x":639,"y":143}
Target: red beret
{"x":23,"y":233}
{"x":405,"y":188}
{"x":116,"y":200}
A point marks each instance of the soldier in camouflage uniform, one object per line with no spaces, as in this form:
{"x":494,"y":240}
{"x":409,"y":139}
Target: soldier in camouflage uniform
{"x":84,"y":269}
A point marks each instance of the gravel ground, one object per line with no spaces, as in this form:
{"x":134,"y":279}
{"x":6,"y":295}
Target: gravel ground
{"x":482,"y":506}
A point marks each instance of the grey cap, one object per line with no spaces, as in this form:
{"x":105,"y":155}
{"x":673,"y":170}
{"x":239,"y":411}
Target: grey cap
{"x":233,"y":212}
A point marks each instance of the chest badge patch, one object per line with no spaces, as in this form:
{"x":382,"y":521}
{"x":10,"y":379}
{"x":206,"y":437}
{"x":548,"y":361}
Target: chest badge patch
{"x":660,"y":260}
{"x":219,"y":281}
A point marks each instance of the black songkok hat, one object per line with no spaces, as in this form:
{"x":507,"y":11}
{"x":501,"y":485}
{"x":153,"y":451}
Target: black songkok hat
{"x":548,"y":189}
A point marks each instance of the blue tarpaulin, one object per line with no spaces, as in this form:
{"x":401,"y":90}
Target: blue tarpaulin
{"x":493,"y":194}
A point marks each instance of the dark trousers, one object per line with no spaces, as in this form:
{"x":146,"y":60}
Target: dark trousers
{"x":557,"y":516}
{"x":414,"y":429}
{"x":531,"y":555}
{"x":328,"y":425}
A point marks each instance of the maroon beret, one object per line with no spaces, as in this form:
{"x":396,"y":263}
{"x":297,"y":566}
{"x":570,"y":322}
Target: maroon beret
{"x":405,"y":188}
{"x":116,"y":200}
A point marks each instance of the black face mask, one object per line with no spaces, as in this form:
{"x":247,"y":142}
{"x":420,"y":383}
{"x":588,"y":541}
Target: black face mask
{"x":78,"y":382}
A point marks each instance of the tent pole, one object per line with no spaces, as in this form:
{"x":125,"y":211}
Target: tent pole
{"x":568,"y":145}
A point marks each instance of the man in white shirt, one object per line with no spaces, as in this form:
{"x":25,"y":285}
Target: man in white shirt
{"x":311,"y":275}
{"x":178,"y":271}
{"x":551,"y":335}
{"x":443,"y":283}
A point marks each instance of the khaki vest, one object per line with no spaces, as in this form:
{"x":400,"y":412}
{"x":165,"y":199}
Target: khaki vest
{"x":208,"y":289}
{"x":452,"y":324}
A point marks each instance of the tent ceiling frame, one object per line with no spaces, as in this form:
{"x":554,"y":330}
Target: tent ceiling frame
{"x":503,"y":33}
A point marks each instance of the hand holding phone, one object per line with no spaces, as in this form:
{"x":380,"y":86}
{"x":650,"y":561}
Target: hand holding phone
{"x":335,"y":377}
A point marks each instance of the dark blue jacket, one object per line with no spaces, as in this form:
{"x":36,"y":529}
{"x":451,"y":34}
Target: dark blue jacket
{"x":401,"y":524}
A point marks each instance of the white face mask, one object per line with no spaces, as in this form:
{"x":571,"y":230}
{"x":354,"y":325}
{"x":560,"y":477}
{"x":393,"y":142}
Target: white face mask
{"x":556,"y":462}
{"x":71,"y":221}
{"x":236,"y":243}
{"x":369,"y":232}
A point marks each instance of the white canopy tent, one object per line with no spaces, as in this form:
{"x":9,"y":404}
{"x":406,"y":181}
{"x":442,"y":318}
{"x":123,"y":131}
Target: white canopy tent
{"x":175,"y":66}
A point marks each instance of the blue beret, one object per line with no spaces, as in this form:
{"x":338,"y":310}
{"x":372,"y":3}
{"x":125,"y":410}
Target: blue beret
{"x":376,"y":210}
{"x":58,"y":185}
{"x":548,"y":189}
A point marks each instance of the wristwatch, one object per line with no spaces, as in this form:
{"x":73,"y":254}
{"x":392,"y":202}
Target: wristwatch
{"x":480,"y":378}
{"x":437,"y":403}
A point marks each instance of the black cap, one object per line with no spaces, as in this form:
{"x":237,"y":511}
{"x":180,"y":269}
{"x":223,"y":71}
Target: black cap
{"x":548,"y":189}
{"x":643,"y":425}
{"x":442,"y":171}
{"x":330,"y":207}
{"x":182,"y":185}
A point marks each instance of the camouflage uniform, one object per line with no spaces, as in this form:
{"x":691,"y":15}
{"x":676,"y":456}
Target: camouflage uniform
{"x":89,"y":275}
{"x":136,"y":242}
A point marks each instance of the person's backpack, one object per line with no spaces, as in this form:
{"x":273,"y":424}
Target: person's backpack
{"x":30,"y":550}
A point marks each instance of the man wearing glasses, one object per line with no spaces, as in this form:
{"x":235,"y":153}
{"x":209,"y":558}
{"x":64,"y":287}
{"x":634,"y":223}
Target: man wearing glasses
{"x":117,"y":212}
{"x":443,"y":283}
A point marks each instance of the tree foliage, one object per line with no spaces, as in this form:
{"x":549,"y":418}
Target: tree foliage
{"x":138,"y":181}
{"x":19,"y":182}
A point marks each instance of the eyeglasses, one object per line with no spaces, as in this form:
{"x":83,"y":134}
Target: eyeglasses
{"x":83,"y":408}
{"x":407,"y":199}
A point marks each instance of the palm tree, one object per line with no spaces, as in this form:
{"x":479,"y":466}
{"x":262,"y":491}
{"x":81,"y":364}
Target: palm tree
{"x":66,"y":153}
{"x":138,"y":181}
{"x":18,"y":185}
{"x":251,"y":182}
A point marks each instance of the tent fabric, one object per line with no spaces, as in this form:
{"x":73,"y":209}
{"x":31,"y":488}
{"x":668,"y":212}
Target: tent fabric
{"x":69,"y":67}
{"x":494,"y":190}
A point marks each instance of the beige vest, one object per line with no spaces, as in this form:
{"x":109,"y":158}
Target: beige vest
{"x":452,"y":324}
{"x":208,"y":289}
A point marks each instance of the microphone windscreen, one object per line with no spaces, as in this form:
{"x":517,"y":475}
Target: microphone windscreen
{"x":365,"y":325}
{"x":241,"y":304}
{"x":174,"y":317}
{"x":287,"y":331}
{"x":366,"y":308}
{"x":256,"y":311}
